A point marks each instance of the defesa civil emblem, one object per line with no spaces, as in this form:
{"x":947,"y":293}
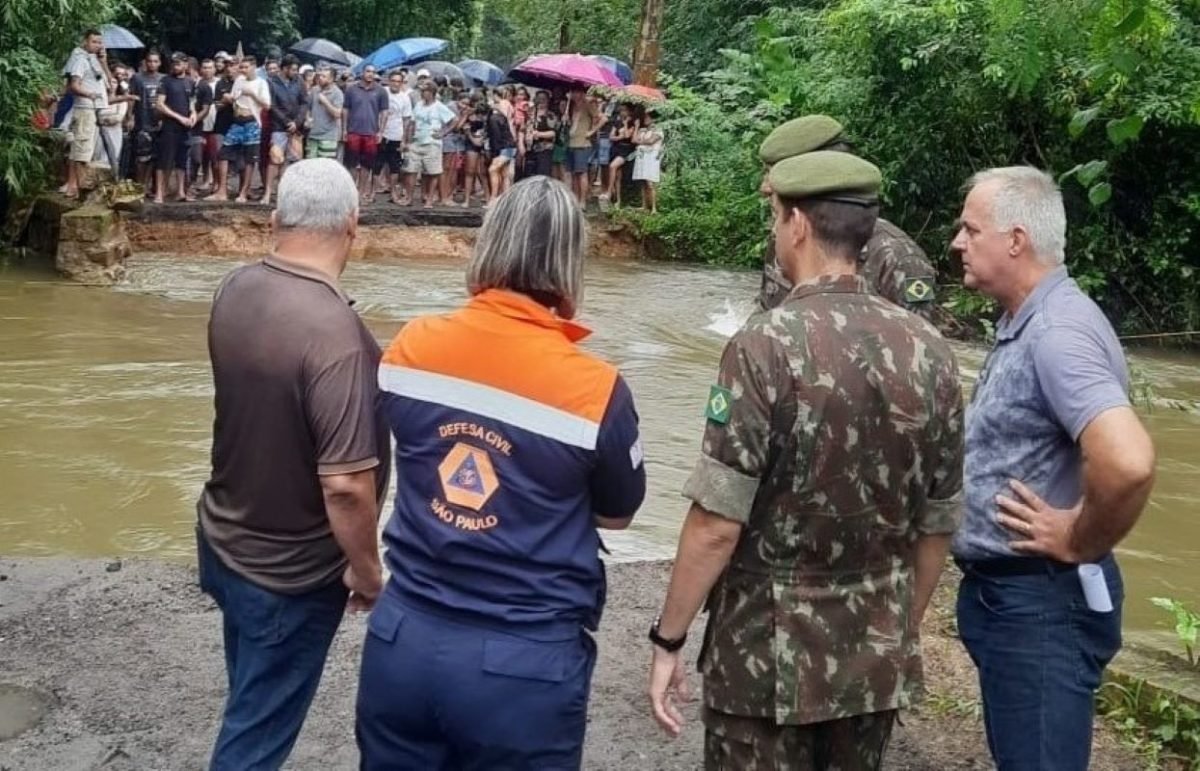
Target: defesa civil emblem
{"x":468,"y":478}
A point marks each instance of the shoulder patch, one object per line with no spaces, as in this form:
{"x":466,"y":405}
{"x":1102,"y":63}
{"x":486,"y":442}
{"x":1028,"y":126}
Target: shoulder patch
{"x":720,"y":401}
{"x":918,"y":289}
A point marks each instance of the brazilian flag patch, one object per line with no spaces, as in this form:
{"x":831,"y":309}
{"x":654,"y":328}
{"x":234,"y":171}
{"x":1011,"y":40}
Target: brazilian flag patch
{"x":720,"y":402}
{"x":918,"y":289}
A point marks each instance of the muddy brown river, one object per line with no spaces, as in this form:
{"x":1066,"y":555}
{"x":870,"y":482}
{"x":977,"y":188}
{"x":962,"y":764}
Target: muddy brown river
{"x":105,"y":405}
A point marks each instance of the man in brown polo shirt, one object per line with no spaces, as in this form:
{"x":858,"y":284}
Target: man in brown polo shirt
{"x":287,"y":521}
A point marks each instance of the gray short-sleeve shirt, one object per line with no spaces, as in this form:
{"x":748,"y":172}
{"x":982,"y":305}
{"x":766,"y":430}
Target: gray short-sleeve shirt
{"x":1055,"y":367}
{"x":326,"y":127}
{"x":294,"y":372}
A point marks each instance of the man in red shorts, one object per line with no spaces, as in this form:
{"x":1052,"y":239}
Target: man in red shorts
{"x":364,"y":117}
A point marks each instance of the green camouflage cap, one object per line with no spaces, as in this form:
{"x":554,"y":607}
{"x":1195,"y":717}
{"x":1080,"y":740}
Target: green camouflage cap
{"x":829,"y":175}
{"x":798,"y":136}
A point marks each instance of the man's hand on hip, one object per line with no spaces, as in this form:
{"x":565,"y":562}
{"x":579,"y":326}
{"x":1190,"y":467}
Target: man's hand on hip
{"x":1040,"y":528}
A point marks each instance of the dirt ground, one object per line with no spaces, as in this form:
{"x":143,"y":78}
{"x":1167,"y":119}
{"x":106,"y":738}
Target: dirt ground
{"x":133,"y":664}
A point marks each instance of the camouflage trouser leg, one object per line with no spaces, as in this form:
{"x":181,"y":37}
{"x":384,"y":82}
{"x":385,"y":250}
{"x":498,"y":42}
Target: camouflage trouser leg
{"x":735,"y":743}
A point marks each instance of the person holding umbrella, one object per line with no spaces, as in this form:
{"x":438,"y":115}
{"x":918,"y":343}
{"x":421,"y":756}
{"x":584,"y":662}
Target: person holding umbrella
{"x":585,"y":121}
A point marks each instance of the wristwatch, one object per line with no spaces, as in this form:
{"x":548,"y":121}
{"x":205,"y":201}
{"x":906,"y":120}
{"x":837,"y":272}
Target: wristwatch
{"x":670,"y":646}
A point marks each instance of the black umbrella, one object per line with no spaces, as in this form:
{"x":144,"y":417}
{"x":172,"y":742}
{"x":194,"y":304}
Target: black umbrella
{"x":321,"y":49}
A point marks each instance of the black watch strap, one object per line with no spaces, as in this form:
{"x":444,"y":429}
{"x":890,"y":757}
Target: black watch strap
{"x":670,"y":646}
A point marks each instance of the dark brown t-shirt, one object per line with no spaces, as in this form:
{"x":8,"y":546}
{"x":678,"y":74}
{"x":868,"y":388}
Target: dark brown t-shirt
{"x":295,"y":374}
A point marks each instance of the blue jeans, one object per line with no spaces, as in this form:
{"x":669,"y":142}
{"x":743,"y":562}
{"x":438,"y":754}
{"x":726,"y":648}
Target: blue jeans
{"x":1040,"y":652}
{"x":275,"y":648}
{"x":438,"y":693}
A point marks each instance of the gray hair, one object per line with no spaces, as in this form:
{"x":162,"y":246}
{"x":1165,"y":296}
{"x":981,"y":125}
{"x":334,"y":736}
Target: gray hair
{"x":317,"y":195}
{"x":532,"y":240}
{"x":1028,"y":198}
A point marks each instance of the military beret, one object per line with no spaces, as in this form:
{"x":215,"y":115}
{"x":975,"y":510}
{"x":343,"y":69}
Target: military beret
{"x":802,"y":135}
{"x":828,"y":175}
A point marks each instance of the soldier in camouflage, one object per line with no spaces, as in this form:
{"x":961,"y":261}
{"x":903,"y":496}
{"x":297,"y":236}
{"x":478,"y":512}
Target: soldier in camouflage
{"x":894,"y":266}
{"x":823,"y":502}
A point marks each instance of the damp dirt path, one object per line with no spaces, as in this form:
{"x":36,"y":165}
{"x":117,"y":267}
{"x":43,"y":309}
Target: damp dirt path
{"x":131,"y":660}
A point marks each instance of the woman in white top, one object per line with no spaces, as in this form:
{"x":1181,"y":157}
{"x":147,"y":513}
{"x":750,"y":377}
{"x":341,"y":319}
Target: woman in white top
{"x":647,"y":164}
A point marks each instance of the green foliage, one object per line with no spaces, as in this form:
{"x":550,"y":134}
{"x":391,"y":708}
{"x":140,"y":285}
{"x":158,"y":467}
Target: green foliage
{"x":1187,"y":625}
{"x":35,"y":39}
{"x":1163,"y":729}
{"x":541,"y":26}
{"x":695,"y":30}
{"x":1103,"y":93}
{"x":364,"y":25}
{"x":497,"y":40}
{"x":358,"y":25}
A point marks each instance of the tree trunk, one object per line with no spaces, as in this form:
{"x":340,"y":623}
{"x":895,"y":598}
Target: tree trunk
{"x":564,"y":27}
{"x":645,"y":51}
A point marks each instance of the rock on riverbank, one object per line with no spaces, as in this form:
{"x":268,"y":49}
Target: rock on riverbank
{"x":132,"y":660}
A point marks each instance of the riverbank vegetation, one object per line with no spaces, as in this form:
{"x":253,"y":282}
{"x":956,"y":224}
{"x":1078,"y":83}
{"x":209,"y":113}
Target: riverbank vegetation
{"x":1103,"y":93}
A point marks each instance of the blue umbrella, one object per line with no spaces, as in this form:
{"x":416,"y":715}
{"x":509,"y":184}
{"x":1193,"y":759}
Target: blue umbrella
{"x":400,"y":52}
{"x":616,"y":66}
{"x":483,"y":73}
{"x":115,"y":38}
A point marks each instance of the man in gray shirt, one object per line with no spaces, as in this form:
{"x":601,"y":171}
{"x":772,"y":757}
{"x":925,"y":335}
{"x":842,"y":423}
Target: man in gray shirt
{"x":1058,"y":468}
{"x":300,"y":454}
{"x":88,"y":81}
{"x":325,"y":131}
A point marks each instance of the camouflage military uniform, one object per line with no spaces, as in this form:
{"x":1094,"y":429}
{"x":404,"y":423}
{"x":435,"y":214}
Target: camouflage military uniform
{"x":893,"y":265}
{"x":835,"y":436}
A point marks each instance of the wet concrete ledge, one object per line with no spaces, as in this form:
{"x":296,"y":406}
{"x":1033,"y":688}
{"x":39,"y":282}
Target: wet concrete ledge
{"x":381,"y":213}
{"x":386,"y":231}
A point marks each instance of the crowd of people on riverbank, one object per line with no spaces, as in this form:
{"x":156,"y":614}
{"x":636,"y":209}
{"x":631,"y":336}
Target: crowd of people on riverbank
{"x":225,"y":127}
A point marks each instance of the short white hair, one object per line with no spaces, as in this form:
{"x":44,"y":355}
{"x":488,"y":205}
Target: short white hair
{"x":533,"y":240}
{"x":1028,"y":198}
{"x":318,"y":195}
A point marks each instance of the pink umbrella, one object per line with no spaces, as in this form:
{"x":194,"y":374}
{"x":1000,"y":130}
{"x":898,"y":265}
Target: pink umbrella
{"x":564,"y":68}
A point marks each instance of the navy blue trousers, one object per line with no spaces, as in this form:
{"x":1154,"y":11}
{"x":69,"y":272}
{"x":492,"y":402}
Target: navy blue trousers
{"x":438,"y":692}
{"x":1040,"y":653}
{"x":275,"y":648}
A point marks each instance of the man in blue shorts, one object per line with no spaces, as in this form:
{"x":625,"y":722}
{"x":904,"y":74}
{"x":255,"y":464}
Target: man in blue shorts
{"x":250,"y":96}
{"x":585,"y":124}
